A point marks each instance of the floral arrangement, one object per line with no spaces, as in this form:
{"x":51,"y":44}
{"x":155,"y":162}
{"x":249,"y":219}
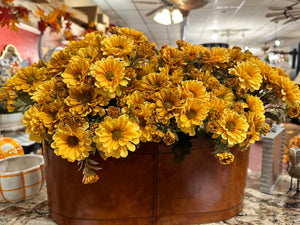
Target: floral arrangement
{"x":106,"y":94}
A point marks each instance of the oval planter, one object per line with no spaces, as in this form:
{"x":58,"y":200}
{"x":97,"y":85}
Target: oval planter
{"x":11,"y":121}
{"x":148,"y":188}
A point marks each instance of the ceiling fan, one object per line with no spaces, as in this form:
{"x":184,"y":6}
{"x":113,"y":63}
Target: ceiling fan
{"x":183,"y":6}
{"x":289,"y":13}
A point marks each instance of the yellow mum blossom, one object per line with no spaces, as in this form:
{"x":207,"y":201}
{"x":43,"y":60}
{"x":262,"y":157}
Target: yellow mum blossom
{"x":266,"y":129}
{"x":94,"y":39}
{"x":256,"y":122}
{"x":290,"y":92}
{"x":110,"y":75}
{"x":194,"y":112}
{"x":233,"y":127}
{"x":175,"y":76}
{"x":137,"y":36}
{"x":9,"y":95}
{"x":192,"y":52}
{"x":248,"y":74}
{"x":155,"y":81}
{"x":34,"y":122}
{"x":66,"y":118}
{"x":117,"y":46}
{"x":236,"y":55}
{"x":58,"y":62}
{"x":115,"y":137}
{"x":93,"y":178}
{"x":194,"y":89}
{"x":167,"y":103}
{"x":255,"y":104}
{"x":89,"y":54}
{"x":28,"y":79}
{"x":85,"y":99}
{"x":209,"y":81}
{"x":239,"y":107}
{"x":135,"y":102}
{"x":215,"y":57}
{"x":144,"y":117}
{"x":293,"y":112}
{"x":217,"y":104}
{"x":46,"y":92}
{"x":224,"y":93}
{"x":71,"y":143}
{"x":172,"y":57}
{"x":76,"y":72}
{"x":169,"y":138}
{"x":225,"y":158}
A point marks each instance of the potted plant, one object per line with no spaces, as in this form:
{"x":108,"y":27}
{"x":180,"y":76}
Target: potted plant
{"x":12,"y":106}
{"x":170,"y":129}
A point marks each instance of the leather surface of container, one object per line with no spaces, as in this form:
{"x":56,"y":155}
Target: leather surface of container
{"x":148,"y":188}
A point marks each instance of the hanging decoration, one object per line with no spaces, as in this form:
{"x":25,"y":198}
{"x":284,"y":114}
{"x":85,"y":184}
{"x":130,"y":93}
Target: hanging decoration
{"x":54,"y":19}
{"x":58,"y":19}
{"x":11,"y":15}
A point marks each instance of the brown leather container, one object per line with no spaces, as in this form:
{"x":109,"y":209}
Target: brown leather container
{"x":148,"y":188}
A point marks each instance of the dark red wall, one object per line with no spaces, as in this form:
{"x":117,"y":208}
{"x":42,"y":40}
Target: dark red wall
{"x":26,"y":43}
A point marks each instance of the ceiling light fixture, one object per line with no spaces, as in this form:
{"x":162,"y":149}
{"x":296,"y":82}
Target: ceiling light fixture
{"x":177,"y":16}
{"x":276,"y":41}
{"x":164,"y":17}
{"x":215,"y":36}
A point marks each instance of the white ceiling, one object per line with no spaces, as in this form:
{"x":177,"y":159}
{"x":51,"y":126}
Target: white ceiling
{"x":238,"y":22}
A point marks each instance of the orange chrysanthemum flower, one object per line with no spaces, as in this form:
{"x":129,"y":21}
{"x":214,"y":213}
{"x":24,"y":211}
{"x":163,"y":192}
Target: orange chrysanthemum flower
{"x":248,"y":74}
{"x":171,"y":56}
{"x":194,"y":89}
{"x":76,"y":72}
{"x":115,"y":137}
{"x":71,"y":143}
{"x":290,"y":92}
{"x":233,"y":127}
{"x":28,"y":79}
{"x":155,"y":82}
{"x":110,"y":75}
{"x":167,"y":103}
{"x":193,"y":114}
{"x":85,"y":99}
{"x":117,"y":46}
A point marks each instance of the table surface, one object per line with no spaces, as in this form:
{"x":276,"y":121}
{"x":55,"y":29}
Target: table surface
{"x":280,"y":207}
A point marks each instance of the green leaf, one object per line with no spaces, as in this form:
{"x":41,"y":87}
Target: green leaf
{"x":182,"y":148}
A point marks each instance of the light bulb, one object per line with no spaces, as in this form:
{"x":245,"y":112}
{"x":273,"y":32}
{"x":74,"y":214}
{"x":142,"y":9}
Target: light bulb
{"x":177,"y":16}
{"x":163,"y":17}
{"x":215,"y":36}
{"x":277,"y":42}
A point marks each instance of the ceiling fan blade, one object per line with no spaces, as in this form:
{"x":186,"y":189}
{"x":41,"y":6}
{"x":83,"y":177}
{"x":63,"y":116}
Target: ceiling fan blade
{"x":155,"y":10}
{"x":278,"y":18}
{"x":291,"y":20}
{"x":274,"y":14}
{"x":287,"y":13}
{"x":274,"y":8}
{"x":147,"y":2}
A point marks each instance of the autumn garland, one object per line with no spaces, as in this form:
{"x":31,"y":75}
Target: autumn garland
{"x":12,"y":15}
